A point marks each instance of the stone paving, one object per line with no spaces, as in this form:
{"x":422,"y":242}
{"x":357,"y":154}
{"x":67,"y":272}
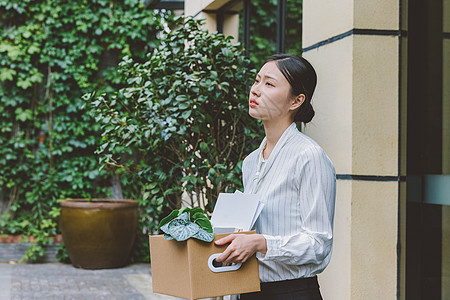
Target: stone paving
{"x":63,"y":281}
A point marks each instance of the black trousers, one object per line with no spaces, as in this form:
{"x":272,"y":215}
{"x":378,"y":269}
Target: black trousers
{"x":296,"y":289}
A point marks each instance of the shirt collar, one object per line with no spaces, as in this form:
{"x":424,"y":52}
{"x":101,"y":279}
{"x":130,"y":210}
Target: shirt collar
{"x":289,"y":132}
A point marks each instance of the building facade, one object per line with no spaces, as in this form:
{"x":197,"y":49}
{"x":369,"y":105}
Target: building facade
{"x":382,"y":115}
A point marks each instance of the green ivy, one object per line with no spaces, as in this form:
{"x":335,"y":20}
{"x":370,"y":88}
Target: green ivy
{"x":51,"y":53}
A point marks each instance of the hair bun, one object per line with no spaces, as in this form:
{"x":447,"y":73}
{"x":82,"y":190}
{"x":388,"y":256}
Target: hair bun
{"x":304,"y":114}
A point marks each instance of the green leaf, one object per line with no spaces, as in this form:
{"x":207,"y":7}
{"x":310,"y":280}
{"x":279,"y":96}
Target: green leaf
{"x":204,"y":147}
{"x":36,"y":77}
{"x":226,"y":52}
{"x":181,"y":228}
{"x":24,"y":83}
{"x":168,"y":237}
{"x":184,"y":105}
{"x":181,"y":98}
{"x":169,"y":218}
{"x":196,"y":210}
{"x":152,"y":185}
{"x":13,"y":51}
{"x":186,"y":114}
{"x":205,"y":224}
{"x":183,"y":210}
{"x":33,"y":49}
{"x":7,"y":74}
{"x":182,"y":232}
{"x":198,"y":215}
{"x":204,"y":235}
{"x":23,"y":115}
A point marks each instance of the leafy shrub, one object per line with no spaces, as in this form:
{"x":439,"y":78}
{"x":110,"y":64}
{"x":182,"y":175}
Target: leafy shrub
{"x":181,"y":125}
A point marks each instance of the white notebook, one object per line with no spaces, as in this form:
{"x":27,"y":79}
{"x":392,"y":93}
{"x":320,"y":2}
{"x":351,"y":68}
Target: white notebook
{"x":234,"y":212}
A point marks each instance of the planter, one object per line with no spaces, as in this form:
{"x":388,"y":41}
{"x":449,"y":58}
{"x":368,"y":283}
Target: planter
{"x":100,"y":233}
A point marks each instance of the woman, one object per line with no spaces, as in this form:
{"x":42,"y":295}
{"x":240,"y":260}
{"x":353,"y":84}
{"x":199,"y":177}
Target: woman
{"x":296,"y":181}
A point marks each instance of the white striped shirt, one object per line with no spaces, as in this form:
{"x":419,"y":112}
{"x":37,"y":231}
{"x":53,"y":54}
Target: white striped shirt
{"x":297,"y":184}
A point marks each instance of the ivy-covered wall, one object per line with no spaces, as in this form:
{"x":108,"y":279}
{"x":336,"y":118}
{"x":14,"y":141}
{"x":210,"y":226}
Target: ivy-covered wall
{"x":51,"y":53}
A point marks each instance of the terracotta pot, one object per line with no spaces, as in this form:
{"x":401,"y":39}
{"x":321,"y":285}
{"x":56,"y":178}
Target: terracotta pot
{"x":99,"y":234}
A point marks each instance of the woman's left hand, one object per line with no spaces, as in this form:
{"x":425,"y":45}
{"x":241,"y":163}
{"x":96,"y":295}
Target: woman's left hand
{"x":241,"y":248}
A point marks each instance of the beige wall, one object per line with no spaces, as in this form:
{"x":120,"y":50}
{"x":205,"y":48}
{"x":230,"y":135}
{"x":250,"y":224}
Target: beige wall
{"x":231,"y":26}
{"x":345,"y":15}
{"x":374,"y":240}
{"x":376,"y":14}
{"x":375,"y":105}
{"x":333,"y":102}
{"x":356,"y":100}
{"x":335,"y":281}
{"x":231,"y":22}
{"x":357,"y":123}
{"x":364,"y":256}
{"x":324,"y":19}
{"x":192,"y":7}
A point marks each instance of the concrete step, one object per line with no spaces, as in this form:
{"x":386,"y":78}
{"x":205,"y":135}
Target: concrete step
{"x":13,"y":252}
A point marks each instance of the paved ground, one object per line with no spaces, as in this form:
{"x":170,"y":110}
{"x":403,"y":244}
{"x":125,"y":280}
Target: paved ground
{"x":63,"y":281}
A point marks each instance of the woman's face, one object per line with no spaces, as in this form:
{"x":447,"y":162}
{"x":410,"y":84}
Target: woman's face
{"x":270,"y":95}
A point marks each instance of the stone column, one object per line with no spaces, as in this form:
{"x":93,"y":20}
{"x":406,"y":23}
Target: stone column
{"x":354,"y":46}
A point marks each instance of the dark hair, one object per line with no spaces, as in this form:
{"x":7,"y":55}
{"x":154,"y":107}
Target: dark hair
{"x":303,"y":79}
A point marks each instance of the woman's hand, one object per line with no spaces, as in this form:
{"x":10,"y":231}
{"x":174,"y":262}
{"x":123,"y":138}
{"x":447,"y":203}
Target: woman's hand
{"x":241,"y":248}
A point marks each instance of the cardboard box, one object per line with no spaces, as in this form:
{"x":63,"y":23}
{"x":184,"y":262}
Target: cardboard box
{"x":182,"y":269}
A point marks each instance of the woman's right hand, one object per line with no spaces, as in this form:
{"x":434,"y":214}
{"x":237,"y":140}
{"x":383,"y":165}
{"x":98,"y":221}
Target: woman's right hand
{"x":241,"y":248}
